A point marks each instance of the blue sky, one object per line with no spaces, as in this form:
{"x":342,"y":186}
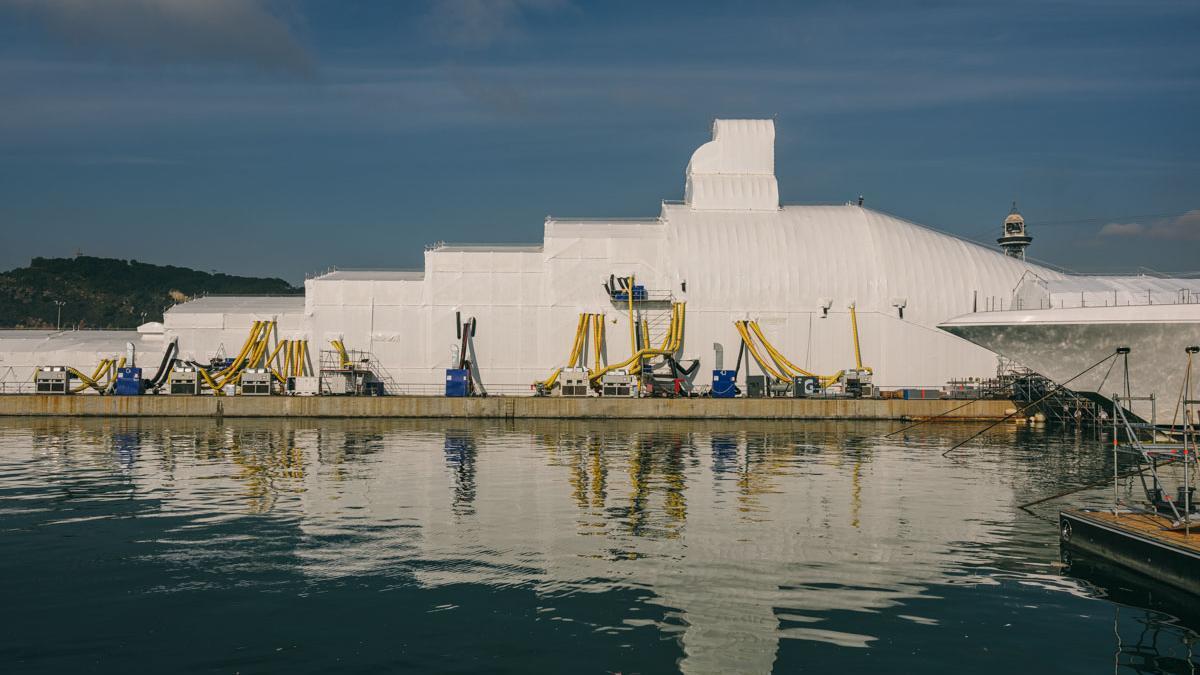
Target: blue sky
{"x":281,"y":137}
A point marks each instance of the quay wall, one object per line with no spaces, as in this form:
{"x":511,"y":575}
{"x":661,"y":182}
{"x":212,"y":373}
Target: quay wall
{"x":497,"y":407}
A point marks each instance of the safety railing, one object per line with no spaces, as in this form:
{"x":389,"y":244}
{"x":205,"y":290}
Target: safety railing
{"x":439,"y":389}
{"x":1088,"y":299}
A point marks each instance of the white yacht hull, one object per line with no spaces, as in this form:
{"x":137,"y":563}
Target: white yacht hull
{"x":1061,"y":343}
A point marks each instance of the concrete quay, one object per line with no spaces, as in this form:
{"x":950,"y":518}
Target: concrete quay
{"x":497,"y":407}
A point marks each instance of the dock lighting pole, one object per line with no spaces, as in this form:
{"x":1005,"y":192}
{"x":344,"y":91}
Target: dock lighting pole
{"x":58,"y":322}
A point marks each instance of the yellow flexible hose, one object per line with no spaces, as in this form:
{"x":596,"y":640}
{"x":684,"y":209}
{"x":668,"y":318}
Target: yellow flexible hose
{"x":675,"y":336}
{"x":273,"y":362}
{"x":99,"y":369}
{"x":228,"y":372}
{"x":209,"y":380}
{"x":788,"y":368}
{"x":251,"y":339}
{"x":597,"y":339}
{"x":762,"y":363}
{"x":633,"y":345}
{"x":233,"y":373}
{"x":573,"y":357}
{"x":854,"y":330}
{"x":102,"y":378}
{"x":260,"y":349}
{"x":112,"y":377}
{"x":87,"y":381}
{"x":785,"y":365}
{"x":578,"y":354}
{"x":341,"y":350}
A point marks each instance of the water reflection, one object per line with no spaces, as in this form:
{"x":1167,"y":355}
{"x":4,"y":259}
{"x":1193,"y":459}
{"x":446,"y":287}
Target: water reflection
{"x":739,"y":541}
{"x":460,"y":459}
{"x":1145,"y":641}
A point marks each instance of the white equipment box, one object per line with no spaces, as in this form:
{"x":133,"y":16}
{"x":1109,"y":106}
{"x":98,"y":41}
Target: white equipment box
{"x":309,"y":385}
{"x":257,"y":382}
{"x":617,"y":383}
{"x":574,"y":382}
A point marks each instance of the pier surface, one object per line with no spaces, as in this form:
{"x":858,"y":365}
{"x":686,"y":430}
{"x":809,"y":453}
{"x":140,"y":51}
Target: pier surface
{"x":498,"y":407}
{"x":1138,"y":541}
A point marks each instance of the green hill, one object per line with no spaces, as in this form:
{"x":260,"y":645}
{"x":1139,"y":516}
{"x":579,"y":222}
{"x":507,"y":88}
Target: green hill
{"x":110,"y":293}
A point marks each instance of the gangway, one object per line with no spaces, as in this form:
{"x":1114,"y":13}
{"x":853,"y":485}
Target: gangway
{"x":1155,"y":539}
{"x":1153,"y":446}
{"x":1057,"y":404}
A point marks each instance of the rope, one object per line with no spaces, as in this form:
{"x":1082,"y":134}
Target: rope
{"x":1097,"y":483}
{"x":977,"y":400}
{"x":930,"y":419}
{"x":1052,"y":392}
{"x":1100,"y":389}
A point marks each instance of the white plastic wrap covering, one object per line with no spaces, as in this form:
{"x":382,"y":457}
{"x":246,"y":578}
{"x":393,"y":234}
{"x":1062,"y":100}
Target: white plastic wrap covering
{"x":408,"y":325}
{"x":23,"y":351}
{"x":784,"y":266}
{"x":730,"y":253}
{"x":736,"y":169}
{"x":1036,"y":292}
{"x":213,"y":326}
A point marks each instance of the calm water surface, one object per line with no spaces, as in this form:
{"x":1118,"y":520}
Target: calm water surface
{"x":376,"y":546}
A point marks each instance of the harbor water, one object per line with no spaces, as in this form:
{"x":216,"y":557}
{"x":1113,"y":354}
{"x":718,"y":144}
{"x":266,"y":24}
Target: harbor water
{"x":300,"y":545}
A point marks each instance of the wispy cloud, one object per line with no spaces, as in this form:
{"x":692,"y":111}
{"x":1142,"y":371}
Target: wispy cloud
{"x":70,"y":98}
{"x":1184,"y":227}
{"x":477,"y":24}
{"x":180,"y":31}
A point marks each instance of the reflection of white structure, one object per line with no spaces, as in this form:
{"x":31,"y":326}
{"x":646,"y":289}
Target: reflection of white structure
{"x":745,"y":537}
{"x":739,"y":546}
{"x":1061,"y":327}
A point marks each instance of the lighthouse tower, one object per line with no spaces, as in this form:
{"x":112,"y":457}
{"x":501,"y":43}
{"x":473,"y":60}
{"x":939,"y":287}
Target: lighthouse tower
{"x":1013,"y":238}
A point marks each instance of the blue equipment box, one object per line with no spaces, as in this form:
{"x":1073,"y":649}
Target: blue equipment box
{"x":639,"y":294}
{"x":458,"y":382}
{"x":129,"y":382}
{"x":724,"y":384}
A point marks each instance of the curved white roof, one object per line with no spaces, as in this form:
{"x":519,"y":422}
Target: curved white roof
{"x":799,"y":256}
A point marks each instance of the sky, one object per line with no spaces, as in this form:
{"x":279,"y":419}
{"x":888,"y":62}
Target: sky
{"x":282,"y":137}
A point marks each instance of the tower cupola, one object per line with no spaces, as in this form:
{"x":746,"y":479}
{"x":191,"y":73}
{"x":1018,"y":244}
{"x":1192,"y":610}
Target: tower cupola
{"x":1013,"y":238}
